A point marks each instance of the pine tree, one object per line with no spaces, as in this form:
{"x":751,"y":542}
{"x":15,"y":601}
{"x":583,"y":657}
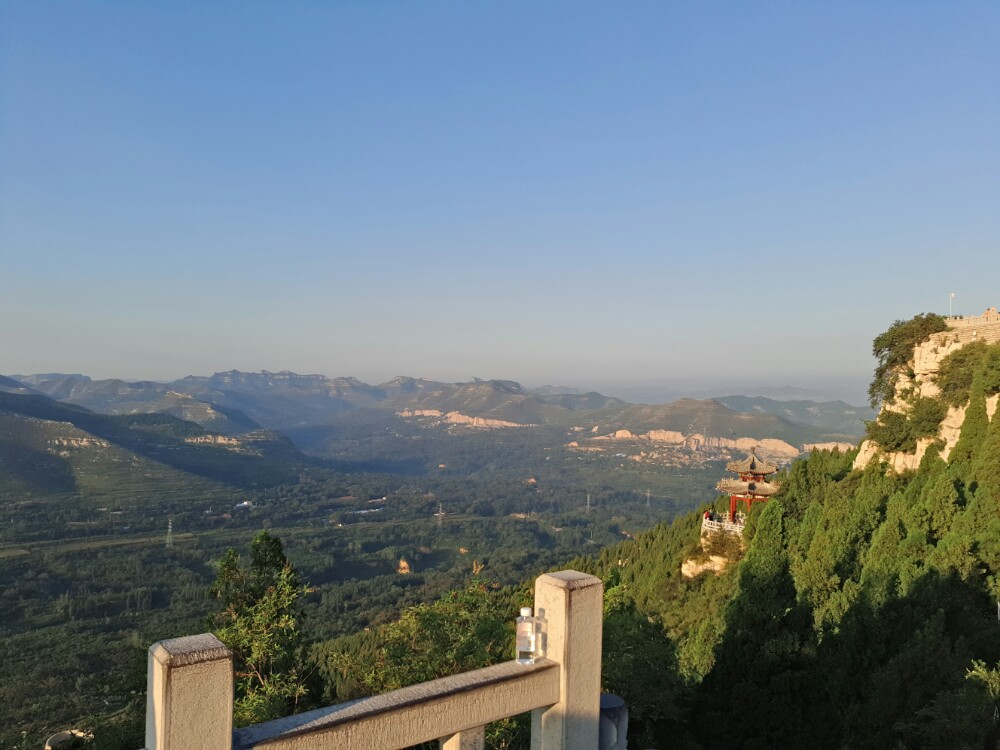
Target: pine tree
{"x":974,"y":429}
{"x":259,"y":622}
{"x":760,"y":693}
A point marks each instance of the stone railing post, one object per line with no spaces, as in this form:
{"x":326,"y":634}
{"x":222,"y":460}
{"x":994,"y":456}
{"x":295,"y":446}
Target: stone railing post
{"x":470,"y":739}
{"x":573,"y":606}
{"x":189,"y":694}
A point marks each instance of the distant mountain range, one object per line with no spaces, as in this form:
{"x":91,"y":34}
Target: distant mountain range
{"x":237,"y":431}
{"x":48,"y":446}
{"x":235,"y":402}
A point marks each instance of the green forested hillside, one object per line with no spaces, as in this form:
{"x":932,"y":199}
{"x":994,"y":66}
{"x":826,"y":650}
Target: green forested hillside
{"x":87,"y":581}
{"x":863,"y":614}
{"x":860,"y":611}
{"x":834,"y":416}
{"x":710,"y":417}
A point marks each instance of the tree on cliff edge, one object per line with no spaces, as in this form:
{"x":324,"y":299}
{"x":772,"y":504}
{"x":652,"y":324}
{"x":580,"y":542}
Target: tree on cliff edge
{"x":893,"y":350}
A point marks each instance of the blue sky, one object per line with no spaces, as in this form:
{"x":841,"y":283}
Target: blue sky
{"x":580,"y":193}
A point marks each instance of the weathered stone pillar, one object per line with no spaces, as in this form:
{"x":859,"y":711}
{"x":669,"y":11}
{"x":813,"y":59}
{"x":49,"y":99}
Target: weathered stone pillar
{"x":189,"y":694}
{"x":573,"y":607}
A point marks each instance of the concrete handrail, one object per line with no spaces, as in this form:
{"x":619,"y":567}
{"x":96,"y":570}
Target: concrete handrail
{"x":189,"y":703}
{"x":414,"y":714}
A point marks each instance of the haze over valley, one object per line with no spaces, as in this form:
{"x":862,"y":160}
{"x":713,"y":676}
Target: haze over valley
{"x":372,"y":313}
{"x":361,"y":481}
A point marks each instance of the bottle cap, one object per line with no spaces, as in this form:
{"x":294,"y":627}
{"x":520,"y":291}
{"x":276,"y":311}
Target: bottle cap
{"x":525,"y":611}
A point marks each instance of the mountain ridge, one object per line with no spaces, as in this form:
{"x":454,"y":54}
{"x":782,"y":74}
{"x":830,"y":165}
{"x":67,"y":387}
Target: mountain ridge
{"x":233,"y":402}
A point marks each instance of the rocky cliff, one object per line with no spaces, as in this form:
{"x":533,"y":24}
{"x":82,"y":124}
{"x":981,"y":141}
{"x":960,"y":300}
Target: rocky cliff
{"x":925,"y":366}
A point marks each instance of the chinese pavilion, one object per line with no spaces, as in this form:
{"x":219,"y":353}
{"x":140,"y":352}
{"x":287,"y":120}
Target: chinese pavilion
{"x":752,"y":486}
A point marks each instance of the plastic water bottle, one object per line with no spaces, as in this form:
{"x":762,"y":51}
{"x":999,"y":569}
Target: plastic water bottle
{"x":526,"y":637}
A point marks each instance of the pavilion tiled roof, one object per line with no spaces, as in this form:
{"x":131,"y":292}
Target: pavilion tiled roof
{"x":751,"y":465}
{"x":739,"y":487}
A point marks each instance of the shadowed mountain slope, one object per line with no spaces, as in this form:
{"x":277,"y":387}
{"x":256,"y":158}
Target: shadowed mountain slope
{"x":255,"y":459}
{"x":831,"y":416}
{"x":233,"y":402}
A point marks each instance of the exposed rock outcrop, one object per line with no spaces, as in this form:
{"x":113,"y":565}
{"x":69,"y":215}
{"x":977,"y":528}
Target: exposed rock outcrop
{"x":617,"y":435}
{"x":693,"y":568}
{"x":454,"y":417}
{"x":222,"y":440}
{"x":842,"y":447}
{"x":665,"y":436}
{"x":925,"y":365}
{"x":771,"y":447}
{"x":79,"y":442}
{"x":406,"y":413}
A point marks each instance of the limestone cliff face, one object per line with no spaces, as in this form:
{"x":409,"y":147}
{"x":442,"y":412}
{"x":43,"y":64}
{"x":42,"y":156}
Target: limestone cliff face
{"x":926,"y":364}
{"x":618,"y":435}
{"x":842,"y":447}
{"x":221,"y":440}
{"x":769,"y":446}
{"x":78,"y":442}
{"x":773,"y":448}
{"x":406,"y":413}
{"x":693,"y":568}
{"x":666,"y":436}
{"x":454,"y":417}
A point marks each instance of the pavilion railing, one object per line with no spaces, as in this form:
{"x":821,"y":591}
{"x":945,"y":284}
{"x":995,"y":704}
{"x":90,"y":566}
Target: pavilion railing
{"x":189,"y":703}
{"x":725,"y":526}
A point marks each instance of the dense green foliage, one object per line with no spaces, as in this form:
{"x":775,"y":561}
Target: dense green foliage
{"x":893,"y":349}
{"x":259,"y":621}
{"x":87,"y":583}
{"x":898,"y":431}
{"x":959,"y":369}
{"x":465,"y":629}
{"x":858,"y":611}
{"x":863,"y":613}
{"x":965,"y":377}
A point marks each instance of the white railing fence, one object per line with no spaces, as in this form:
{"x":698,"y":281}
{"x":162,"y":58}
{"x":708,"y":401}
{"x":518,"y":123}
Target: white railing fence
{"x":189,"y":702}
{"x":727,"y":527}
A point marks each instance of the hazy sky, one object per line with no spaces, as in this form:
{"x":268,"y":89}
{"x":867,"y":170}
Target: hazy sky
{"x":579,"y":193}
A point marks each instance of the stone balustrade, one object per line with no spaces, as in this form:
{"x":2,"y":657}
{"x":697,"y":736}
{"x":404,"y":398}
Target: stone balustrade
{"x":722,"y":527}
{"x":189,"y":704}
